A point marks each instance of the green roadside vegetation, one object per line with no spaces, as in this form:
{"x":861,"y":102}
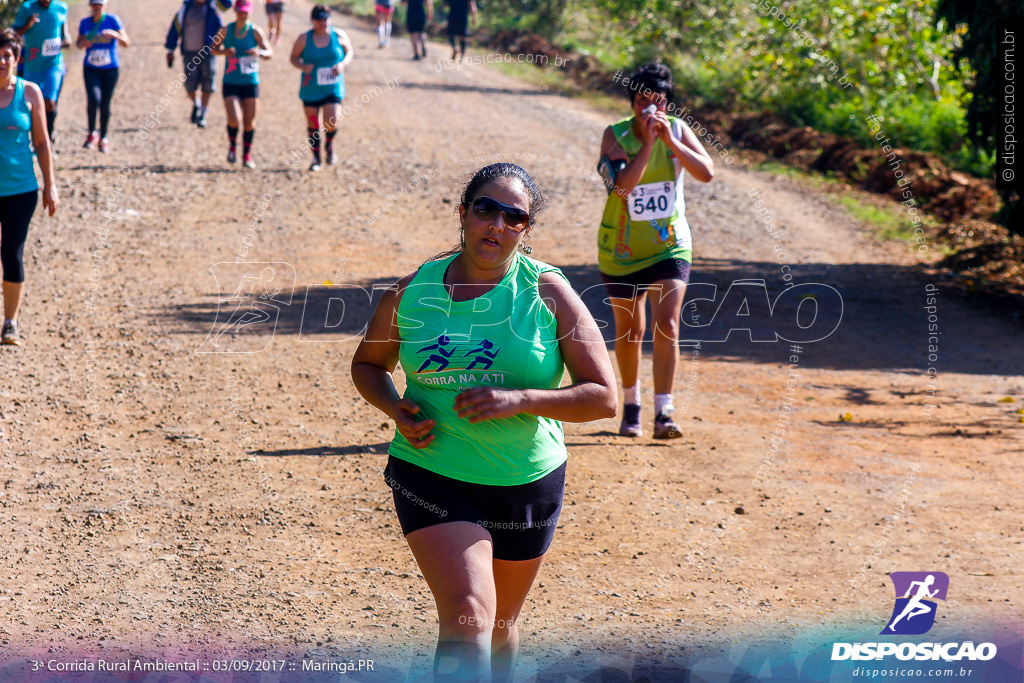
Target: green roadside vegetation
{"x":886,"y":219}
{"x":827,"y":65}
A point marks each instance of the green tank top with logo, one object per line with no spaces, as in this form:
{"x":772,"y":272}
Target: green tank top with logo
{"x":649,"y":225}
{"x":505,"y":338}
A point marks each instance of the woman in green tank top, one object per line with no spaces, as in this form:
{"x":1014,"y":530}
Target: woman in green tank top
{"x":477,"y":464}
{"x":644,"y":240}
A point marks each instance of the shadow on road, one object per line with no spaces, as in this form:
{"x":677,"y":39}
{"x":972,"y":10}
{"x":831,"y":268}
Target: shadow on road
{"x":843,"y":317}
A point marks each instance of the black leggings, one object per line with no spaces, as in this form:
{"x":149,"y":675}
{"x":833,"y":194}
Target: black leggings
{"x":15,"y":214}
{"x":99,"y":88}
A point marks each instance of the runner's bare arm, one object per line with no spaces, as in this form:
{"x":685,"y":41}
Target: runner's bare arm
{"x":122,"y":37}
{"x":22,"y":30}
{"x":346,"y":44}
{"x":82,"y":42}
{"x":376,"y":358}
{"x":217,"y":47}
{"x":629,"y":176}
{"x":296,"y":58}
{"x":691,"y":154}
{"x":41,"y":142}
{"x":592,"y":394}
{"x":263,"y":49}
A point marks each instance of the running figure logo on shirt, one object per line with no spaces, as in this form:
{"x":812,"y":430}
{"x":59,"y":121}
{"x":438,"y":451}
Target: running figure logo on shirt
{"x":246,"y":319}
{"x":916,"y":595}
{"x":441,"y":357}
{"x":484,"y":356}
{"x":441,"y":353}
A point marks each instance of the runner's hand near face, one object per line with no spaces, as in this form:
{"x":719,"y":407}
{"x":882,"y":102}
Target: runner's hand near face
{"x":662,"y":126}
{"x":648,"y":128}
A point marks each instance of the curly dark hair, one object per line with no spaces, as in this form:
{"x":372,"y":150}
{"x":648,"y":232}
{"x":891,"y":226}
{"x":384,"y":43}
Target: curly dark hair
{"x":538,"y":202}
{"x":651,"y":78}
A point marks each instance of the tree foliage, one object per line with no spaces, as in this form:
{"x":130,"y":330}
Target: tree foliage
{"x":823,"y":63}
{"x":982,"y":25}
{"x":8,"y":8}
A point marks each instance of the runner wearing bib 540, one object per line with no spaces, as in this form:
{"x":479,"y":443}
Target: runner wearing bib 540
{"x":644,"y":240}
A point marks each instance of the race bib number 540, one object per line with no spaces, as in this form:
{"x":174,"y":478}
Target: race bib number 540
{"x":652,"y":201}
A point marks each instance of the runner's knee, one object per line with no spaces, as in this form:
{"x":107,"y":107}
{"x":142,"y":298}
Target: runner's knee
{"x":469,"y":615}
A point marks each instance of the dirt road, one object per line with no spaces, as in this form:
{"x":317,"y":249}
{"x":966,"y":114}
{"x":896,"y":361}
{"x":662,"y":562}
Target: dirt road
{"x":161,"y":495}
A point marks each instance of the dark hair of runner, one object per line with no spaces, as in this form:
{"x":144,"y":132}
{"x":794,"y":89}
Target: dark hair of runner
{"x":320,"y":12}
{"x":538,"y":202}
{"x":10,"y":38}
{"x":505,"y":170}
{"x":651,"y":78}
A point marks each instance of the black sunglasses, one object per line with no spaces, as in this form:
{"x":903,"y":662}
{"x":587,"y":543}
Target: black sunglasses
{"x":487,"y":209}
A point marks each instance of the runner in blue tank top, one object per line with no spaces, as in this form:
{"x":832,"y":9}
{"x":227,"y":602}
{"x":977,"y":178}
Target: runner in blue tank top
{"x":322,"y":54}
{"x":22,"y":126}
{"x":244,"y":45}
{"x":43,"y":25}
{"x":100,"y":35}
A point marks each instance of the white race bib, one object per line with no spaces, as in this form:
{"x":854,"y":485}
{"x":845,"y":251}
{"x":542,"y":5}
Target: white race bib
{"x":100,"y":58}
{"x":51,"y":47}
{"x":325,"y":76}
{"x":652,"y":201}
{"x":249,"y":64}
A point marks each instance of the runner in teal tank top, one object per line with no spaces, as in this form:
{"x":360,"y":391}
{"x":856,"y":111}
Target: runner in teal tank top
{"x":644,"y":240}
{"x":22,"y":127}
{"x":477,"y":465}
{"x":43,"y":25}
{"x":243,"y":44}
{"x":322,"y":55}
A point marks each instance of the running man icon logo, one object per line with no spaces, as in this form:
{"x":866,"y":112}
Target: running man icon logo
{"x":251,"y":298}
{"x":439,"y":354}
{"x":916,"y":595}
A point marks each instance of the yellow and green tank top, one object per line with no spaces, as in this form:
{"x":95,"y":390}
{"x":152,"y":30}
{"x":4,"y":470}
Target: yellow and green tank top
{"x":649,"y":225}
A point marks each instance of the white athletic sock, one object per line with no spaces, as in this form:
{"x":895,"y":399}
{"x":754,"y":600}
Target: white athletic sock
{"x":663,"y":404}
{"x":387,"y":31}
{"x":633,"y":393}
{"x":380,"y":33}
{"x":202,"y":111}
